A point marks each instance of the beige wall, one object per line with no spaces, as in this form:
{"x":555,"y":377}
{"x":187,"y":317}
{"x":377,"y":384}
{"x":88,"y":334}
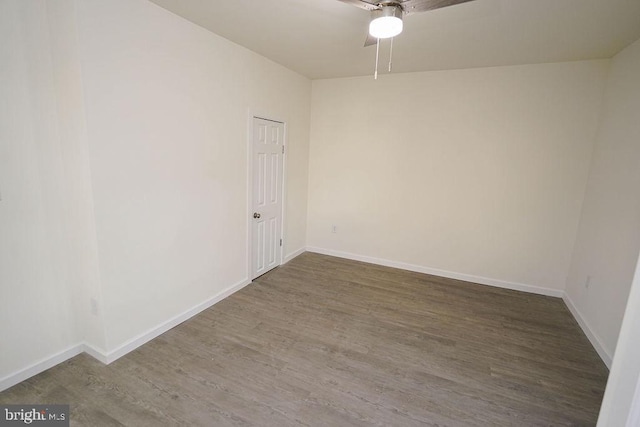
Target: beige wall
{"x":608,"y":241}
{"x":480,"y":173}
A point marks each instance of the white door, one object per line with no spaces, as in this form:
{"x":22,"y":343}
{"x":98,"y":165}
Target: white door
{"x":266,"y":214}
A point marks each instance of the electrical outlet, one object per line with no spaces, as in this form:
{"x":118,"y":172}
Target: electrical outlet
{"x":334,"y":228}
{"x":587,"y":282}
{"x":94,"y":306}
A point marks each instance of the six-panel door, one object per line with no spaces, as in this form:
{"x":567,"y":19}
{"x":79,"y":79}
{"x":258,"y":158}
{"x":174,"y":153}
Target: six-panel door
{"x":268,"y":143}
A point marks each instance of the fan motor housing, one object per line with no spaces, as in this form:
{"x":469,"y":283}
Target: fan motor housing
{"x":391,"y":9}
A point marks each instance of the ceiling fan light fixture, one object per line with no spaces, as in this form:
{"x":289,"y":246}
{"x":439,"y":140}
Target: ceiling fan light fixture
{"x":386,"y":22}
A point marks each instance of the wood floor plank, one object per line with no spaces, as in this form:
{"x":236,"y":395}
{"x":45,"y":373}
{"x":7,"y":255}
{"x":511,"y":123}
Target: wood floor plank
{"x":328,"y":341}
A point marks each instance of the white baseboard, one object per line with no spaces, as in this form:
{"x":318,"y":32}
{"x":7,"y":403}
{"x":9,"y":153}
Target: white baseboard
{"x":110,"y":356}
{"x":40,"y":366}
{"x":293,"y":254}
{"x":442,"y":273}
{"x":96,"y":353}
{"x":147,"y":336}
{"x":596,"y":342}
{"x":593,"y":338}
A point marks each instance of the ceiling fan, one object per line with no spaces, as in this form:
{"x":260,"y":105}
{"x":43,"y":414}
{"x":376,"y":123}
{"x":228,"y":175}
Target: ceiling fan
{"x":386,"y":18}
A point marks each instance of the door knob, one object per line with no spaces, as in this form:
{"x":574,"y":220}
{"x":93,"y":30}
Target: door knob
{"x":256,"y":215}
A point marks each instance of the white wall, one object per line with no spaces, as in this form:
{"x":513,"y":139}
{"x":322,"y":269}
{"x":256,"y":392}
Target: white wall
{"x":621,"y":403}
{"x":480,"y":172}
{"x":80,"y":236}
{"x":167,"y":106}
{"x":608,"y":241}
{"x":123,"y":173}
{"x":38,"y":238}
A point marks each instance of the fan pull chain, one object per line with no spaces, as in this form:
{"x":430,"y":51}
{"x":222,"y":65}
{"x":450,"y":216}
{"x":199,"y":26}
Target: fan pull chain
{"x":375,"y":74}
{"x":390,"y":54}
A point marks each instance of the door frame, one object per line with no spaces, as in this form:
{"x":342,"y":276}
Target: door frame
{"x":249,"y":210}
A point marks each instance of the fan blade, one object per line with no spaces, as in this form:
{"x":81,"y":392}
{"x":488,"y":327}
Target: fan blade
{"x":362,"y":4}
{"x":370,"y":40}
{"x":414,"y":6}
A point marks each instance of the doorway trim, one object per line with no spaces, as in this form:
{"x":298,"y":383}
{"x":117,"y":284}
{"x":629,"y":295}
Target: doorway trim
{"x":256,"y":114}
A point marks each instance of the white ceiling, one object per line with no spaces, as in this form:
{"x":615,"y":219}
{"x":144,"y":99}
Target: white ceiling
{"x":324,"y":38}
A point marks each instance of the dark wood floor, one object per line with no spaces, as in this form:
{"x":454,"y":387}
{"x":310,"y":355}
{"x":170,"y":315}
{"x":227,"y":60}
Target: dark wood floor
{"x":328,"y":342}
